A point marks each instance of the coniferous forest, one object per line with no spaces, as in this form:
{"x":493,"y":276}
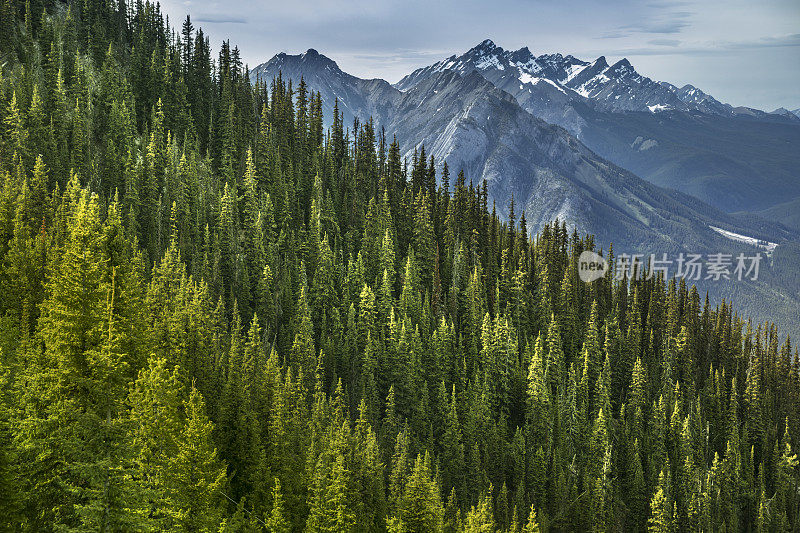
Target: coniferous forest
{"x":218,"y":315}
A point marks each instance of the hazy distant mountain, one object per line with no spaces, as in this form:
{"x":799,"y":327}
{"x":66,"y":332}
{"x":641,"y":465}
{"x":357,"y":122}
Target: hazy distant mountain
{"x":698,"y":100}
{"x":735,"y":163}
{"x":357,"y":97}
{"x":782,"y":111}
{"x":787,"y":213}
{"x":683,"y":138}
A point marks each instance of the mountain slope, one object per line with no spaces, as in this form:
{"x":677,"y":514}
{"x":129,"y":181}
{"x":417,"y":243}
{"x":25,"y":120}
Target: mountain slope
{"x":736,"y":159}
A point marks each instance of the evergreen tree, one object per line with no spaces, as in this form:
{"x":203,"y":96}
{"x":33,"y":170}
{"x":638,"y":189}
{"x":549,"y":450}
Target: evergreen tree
{"x":419,"y":507}
{"x":196,"y":477}
{"x":277,"y":522}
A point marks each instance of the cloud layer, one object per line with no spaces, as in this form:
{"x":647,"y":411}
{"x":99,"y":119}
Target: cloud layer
{"x":740,"y":51}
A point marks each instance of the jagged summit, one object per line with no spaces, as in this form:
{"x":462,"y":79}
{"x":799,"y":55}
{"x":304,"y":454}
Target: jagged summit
{"x":623,"y":68}
{"x":617,"y":87}
{"x":287,"y":63}
{"x":486,"y":44}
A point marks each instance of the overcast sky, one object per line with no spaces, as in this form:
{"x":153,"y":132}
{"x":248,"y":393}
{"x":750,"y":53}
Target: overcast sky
{"x":744,"y":52}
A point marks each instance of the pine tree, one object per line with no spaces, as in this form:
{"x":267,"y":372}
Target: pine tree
{"x":277,"y":522}
{"x":480,"y":518}
{"x":154,"y":432}
{"x":330,"y":505}
{"x":77,"y":383}
{"x":303,"y":353}
{"x":196,"y":478}
{"x":420,"y":507}
{"x":661,"y":508}
{"x":16,"y":132}
{"x":452,"y":460}
{"x":532,"y":526}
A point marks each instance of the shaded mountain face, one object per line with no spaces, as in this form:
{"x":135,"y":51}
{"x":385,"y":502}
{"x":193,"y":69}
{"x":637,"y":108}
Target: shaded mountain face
{"x":787,"y":213}
{"x":465,"y":119}
{"x":733,"y":163}
{"x":735,"y":159}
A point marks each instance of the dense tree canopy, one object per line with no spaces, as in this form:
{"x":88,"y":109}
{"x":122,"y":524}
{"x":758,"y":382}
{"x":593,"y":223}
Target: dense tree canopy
{"x":215,"y":315}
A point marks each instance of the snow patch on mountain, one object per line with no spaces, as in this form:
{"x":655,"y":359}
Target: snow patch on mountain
{"x":769,"y":247}
{"x":490,"y":62}
{"x":586,"y":89}
{"x":526,"y":78}
{"x":572,"y":71}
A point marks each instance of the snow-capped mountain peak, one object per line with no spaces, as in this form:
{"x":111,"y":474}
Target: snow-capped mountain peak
{"x":623,"y":69}
{"x":615,"y":87}
{"x":486,"y":46}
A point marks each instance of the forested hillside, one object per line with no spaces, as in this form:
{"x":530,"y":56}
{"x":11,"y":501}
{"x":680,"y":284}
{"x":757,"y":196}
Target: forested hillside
{"x":217,"y":316}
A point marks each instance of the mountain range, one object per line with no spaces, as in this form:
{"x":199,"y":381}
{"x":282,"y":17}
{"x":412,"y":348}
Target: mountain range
{"x":643,"y":164}
{"x":616,"y":87}
{"x":734,"y":158}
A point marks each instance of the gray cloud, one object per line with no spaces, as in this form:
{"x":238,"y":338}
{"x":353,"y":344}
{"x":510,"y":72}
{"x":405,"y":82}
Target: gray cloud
{"x":674,"y":23}
{"x":661,"y":20}
{"x":666,"y":4}
{"x":664,"y":42}
{"x":765,"y":42}
{"x":683,"y":41}
{"x":709,"y":48}
{"x":221,"y":19}
{"x":615,"y":34}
